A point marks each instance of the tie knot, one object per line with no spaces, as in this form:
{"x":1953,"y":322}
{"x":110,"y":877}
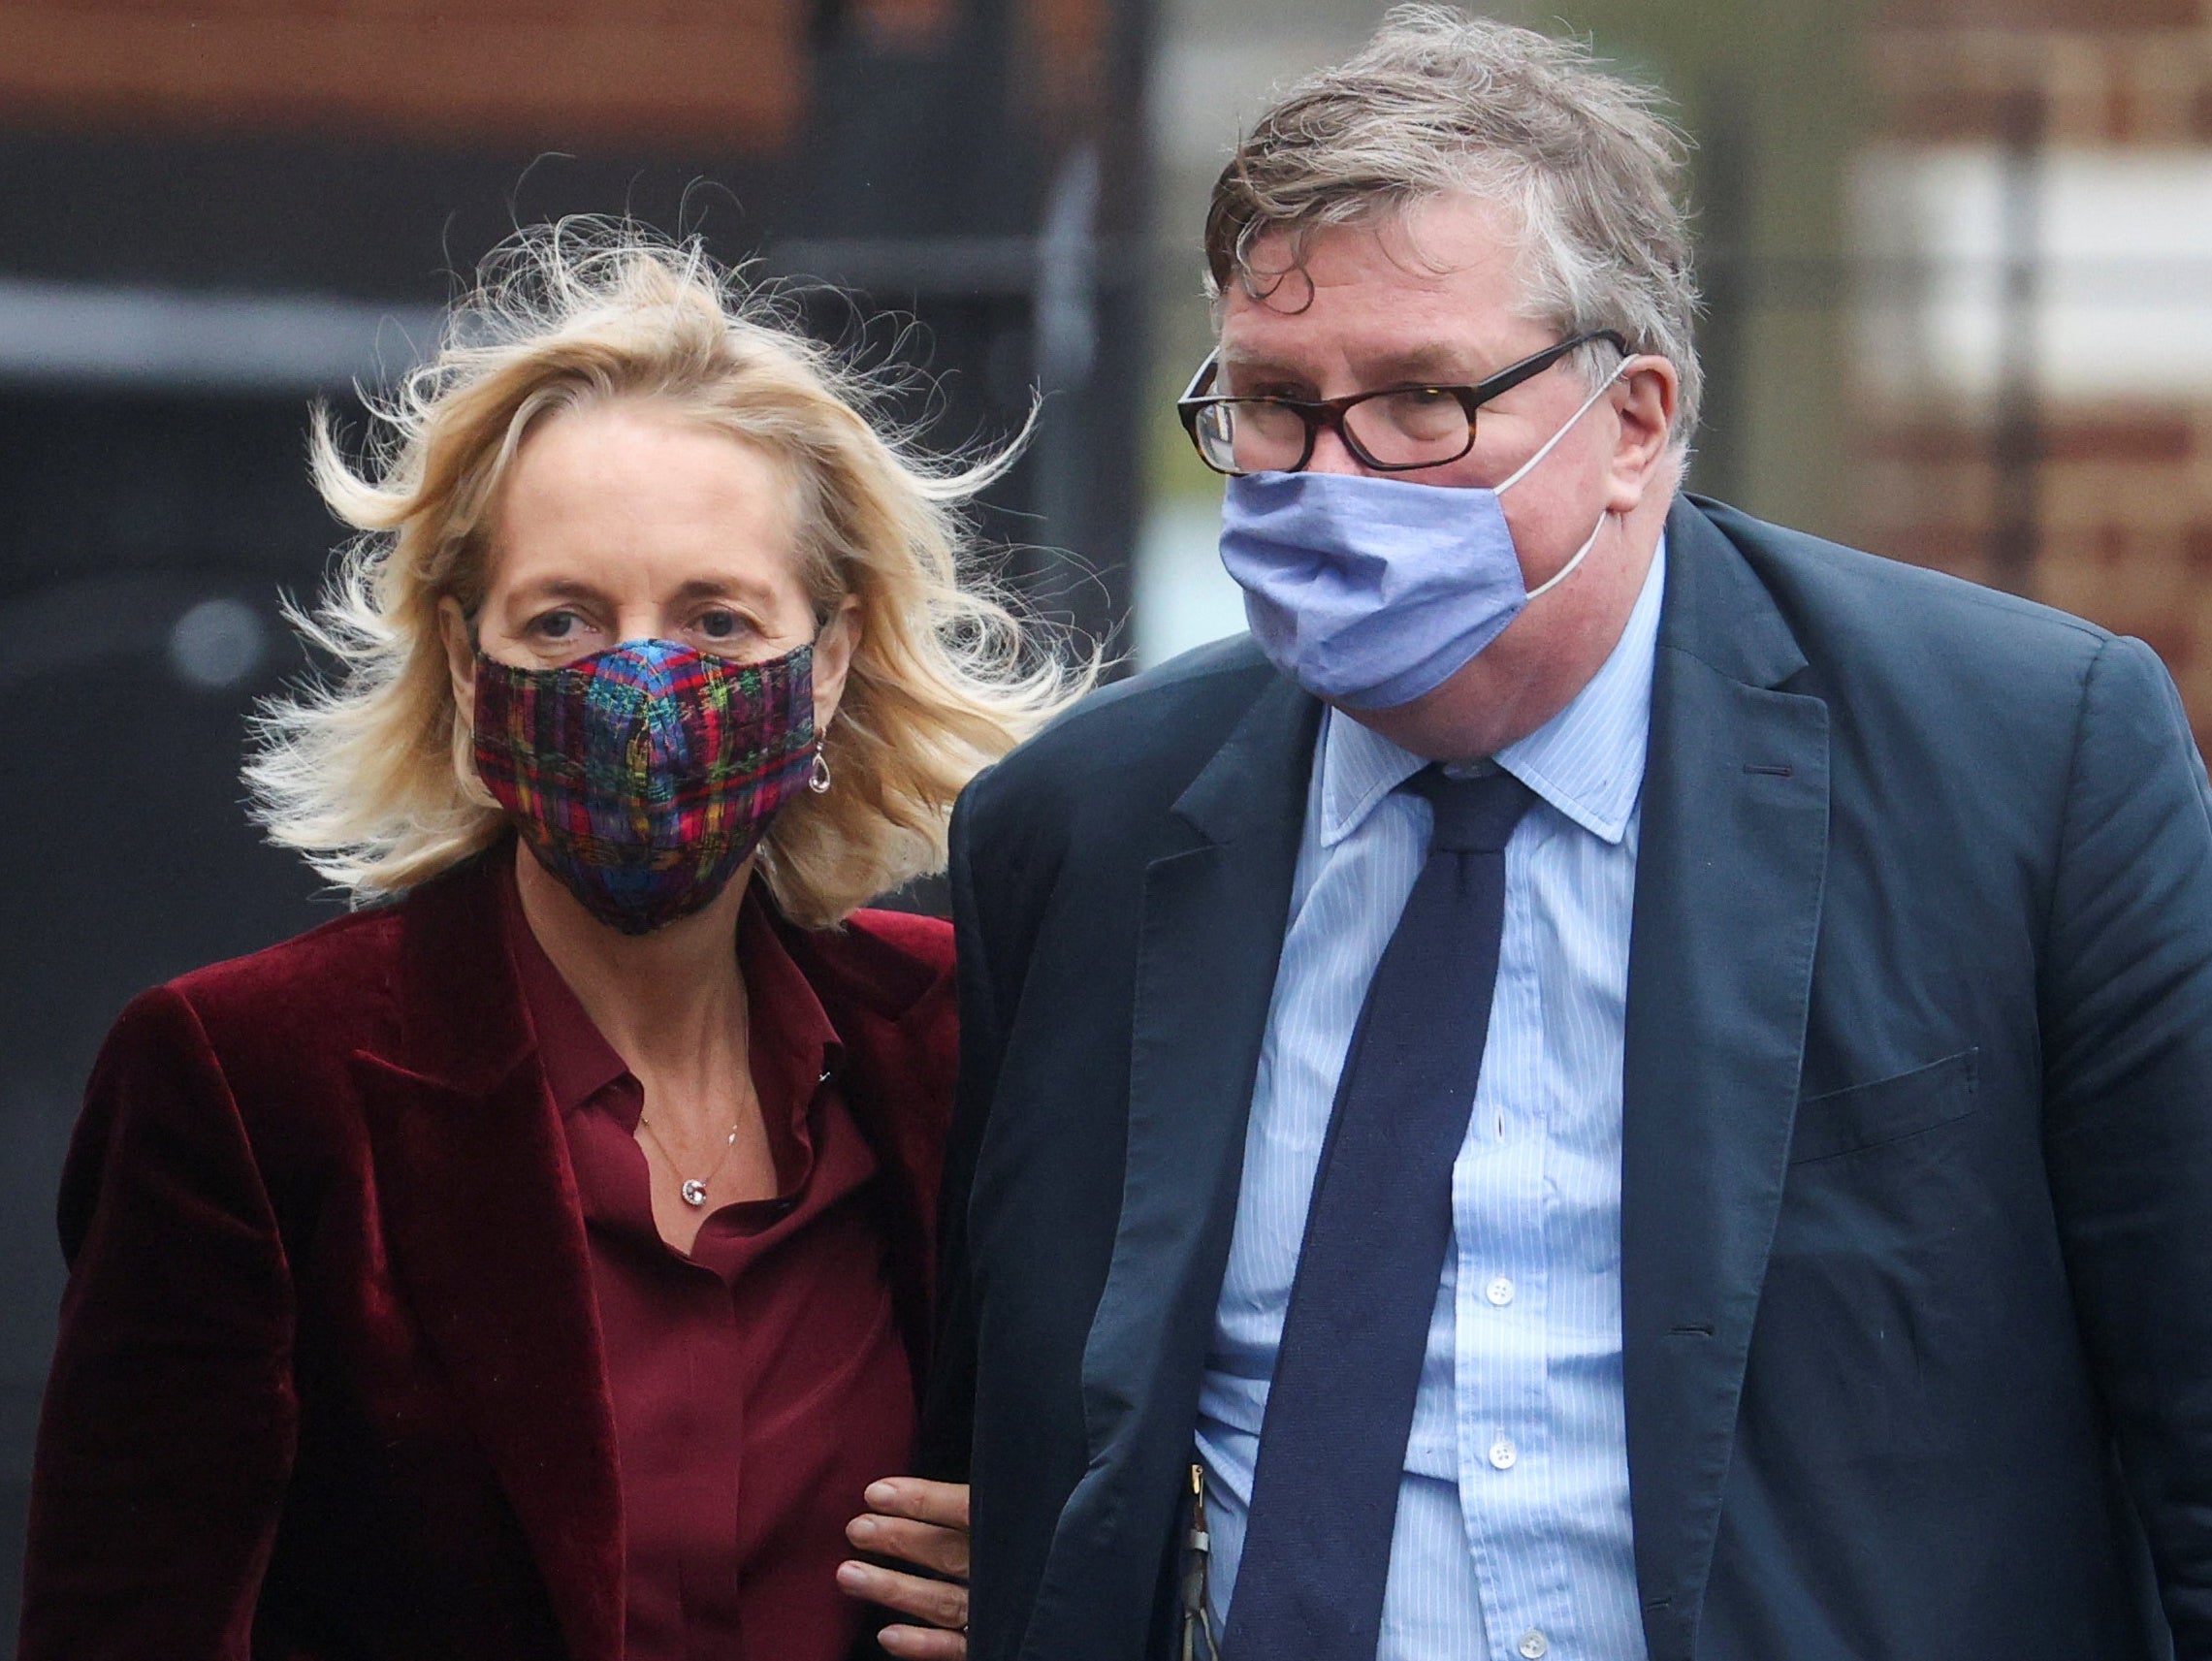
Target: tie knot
{"x":1474,"y":814}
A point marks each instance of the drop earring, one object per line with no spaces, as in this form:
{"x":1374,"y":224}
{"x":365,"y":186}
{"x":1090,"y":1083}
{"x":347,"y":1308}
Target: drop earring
{"x":818,"y":780}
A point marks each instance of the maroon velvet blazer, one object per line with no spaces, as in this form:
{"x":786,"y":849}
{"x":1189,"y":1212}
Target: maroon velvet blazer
{"x":329,"y":1382}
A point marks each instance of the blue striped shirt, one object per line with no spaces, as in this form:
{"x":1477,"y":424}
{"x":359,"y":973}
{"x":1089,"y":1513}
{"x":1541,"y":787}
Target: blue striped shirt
{"x":1513,"y":1526}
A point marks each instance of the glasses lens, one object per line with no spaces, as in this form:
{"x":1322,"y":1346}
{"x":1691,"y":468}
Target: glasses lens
{"x":1250,"y":435}
{"x":1215,"y":430}
{"x":1421,"y":427}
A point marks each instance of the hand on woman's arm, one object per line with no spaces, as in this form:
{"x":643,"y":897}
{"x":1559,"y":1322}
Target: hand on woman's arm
{"x":923,"y":1524}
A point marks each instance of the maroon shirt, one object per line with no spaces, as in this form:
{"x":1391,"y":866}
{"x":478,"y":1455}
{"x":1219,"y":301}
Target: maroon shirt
{"x":761,"y":1384}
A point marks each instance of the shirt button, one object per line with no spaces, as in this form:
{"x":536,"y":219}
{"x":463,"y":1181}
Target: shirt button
{"x":1499,"y":1292}
{"x":1502,"y":1456}
{"x":1534,"y":1644}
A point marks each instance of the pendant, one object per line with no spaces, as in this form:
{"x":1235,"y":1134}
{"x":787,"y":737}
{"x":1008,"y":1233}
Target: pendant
{"x":694,"y":1193}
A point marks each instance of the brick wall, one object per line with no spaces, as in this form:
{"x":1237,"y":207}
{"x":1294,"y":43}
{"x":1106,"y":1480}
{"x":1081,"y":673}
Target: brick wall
{"x":529,"y":70}
{"x":2122,"y":486}
{"x":714,"y":72}
{"x":2124,"y":511}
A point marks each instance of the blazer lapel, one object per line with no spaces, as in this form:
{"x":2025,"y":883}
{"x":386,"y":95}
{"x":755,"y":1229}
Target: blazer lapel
{"x":1729,"y":877}
{"x":1214,"y":912}
{"x":900,"y":1037}
{"x":485,"y":1232}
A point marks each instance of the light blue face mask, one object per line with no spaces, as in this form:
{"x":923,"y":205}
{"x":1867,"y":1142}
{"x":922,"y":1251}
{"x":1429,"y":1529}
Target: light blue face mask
{"x":1370,"y":591}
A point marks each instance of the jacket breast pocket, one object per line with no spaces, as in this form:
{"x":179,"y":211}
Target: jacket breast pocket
{"x":1886,"y":1110}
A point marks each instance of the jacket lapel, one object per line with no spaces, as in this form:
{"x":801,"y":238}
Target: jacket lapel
{"x":900,"y":1037}
{"x":1213,"y":914}
{"x":1729,"y":877}
{"x":485,"y":1232}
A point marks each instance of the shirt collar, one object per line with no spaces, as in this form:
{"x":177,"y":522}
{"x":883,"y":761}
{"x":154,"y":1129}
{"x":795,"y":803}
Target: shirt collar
{"x":1586,"y":761}
{"x":578,"y":1061}
{"x":794,"y":1046}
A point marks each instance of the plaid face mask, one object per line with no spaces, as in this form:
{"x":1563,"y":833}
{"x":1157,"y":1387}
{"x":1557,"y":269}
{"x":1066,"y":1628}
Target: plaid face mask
{"x":642,"y":776}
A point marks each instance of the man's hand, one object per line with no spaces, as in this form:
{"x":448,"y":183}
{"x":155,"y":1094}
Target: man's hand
{"x":925,"y":1524}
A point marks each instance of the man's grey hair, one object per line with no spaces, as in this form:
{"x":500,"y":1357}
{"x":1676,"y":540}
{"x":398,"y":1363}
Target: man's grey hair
{"x":1441,"y":103}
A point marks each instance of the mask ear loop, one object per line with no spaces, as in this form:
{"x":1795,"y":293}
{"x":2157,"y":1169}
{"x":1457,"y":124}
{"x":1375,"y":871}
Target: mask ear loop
{"x":1523,"y":471}
{"x":1566,"y":427}
{"x":1568,"y":569}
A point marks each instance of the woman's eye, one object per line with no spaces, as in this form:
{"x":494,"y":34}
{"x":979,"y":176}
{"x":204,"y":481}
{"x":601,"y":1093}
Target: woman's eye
{"x":558,"y":626}
{"x":721,"y":624}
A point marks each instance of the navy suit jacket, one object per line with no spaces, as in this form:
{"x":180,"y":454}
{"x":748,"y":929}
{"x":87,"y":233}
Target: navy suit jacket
{"x":1916,"y":1185}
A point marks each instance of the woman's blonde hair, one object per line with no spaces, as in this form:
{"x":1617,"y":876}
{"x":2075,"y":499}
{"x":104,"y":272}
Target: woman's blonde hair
{"x":369,"y":772}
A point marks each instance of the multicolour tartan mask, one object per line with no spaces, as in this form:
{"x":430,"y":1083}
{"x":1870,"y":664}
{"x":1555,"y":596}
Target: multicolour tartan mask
{"x":642,"y":776}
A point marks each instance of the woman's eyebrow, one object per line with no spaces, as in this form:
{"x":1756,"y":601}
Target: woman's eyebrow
{"x":695,"y":588}
{"x":557,"y":588}
{"x":715,"y":588}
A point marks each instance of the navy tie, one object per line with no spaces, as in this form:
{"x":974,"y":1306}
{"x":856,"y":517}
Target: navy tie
{"x":1317,"y":1543}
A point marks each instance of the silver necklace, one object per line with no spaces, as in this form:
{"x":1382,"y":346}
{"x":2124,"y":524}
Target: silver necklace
{"x":695,"y":1188}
